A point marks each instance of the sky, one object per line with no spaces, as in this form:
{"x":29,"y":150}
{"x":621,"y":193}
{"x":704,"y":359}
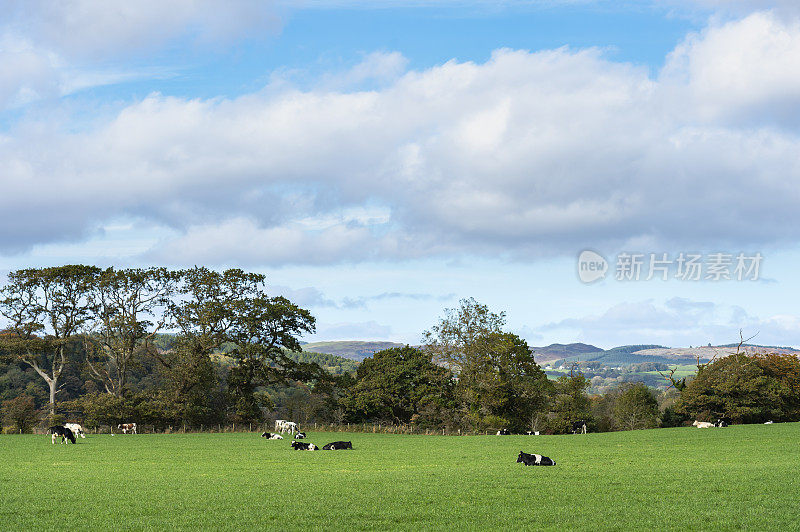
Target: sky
{"x":380,"y":160}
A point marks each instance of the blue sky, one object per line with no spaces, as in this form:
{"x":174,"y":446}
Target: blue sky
{"x":380,"y":160}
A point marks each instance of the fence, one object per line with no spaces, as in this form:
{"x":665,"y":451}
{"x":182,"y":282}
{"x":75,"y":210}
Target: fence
{"x":374,"y":428}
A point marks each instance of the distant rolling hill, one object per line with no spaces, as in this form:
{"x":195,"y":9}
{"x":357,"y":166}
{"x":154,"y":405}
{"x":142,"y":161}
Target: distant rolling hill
{"x":559,"y":351}
{"x":352,"y":350}
{"x":637,"y":354}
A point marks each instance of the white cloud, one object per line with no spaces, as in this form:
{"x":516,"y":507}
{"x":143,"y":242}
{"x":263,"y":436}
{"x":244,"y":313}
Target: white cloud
{"x":104,"y":28}
{"x":525,"y":155}
{"x":52,"y":48}
{"x":741,"y":71}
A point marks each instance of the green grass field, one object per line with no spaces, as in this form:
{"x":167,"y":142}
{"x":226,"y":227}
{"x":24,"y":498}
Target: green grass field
{"x":742,"y":477}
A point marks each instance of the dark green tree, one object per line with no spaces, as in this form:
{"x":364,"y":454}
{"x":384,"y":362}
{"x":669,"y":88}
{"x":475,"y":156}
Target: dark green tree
{"x":636,"y":407}
{"x":263,"y":330}
{"x":499,"y":383}
{"x":570,"y":402}
{"x":746,"y":389}
{"x":397,"y":385}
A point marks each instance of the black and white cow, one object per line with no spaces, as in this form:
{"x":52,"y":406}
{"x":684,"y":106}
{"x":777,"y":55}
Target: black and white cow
{"x":532,"y":433}
{"x":722,"y":422}
{"x":337,"y":445}
{"x":300,"y":435}
{"x":579,"y":427}
{"x":271,"y":436}
{"x":127,"y":427}
{"x":63,"y":432}
{"x":504,"y":432}
{"x":534,"y":459}
{"x":281,"y":425}
{"x":303,"y":446}
{"x":76,"y":429}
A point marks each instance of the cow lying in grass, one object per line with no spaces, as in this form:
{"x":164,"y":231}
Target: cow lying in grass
{"x":300,"y":435}
{"x":76,"y":429}
{"x":337,"y":445}
{"x":271,"y":436}
{"x":303,"y":446}
{"x":722,"y":422}
{"x":63,"y":432}
{"x":504,"y":432}
{"x":703,"y":424}
{"x":534,"y":459}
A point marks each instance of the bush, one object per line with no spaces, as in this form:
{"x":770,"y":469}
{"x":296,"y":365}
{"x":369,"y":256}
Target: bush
{"x":20,"y":413}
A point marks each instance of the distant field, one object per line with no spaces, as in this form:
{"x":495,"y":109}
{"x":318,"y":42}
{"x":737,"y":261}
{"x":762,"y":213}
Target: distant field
{"x":683,"y":370}
{"x":742,"y":477}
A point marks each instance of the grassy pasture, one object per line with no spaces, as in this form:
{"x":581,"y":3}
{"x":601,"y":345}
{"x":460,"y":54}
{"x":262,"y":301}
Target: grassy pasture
{"x":742,"y":477}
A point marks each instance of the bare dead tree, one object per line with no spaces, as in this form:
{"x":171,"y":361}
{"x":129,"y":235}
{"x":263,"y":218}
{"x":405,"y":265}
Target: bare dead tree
{"x":678,"y":384}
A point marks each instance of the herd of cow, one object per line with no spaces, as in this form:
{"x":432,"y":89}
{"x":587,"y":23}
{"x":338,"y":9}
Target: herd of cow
{"x":69,"y":430}
{"x":281,"y":426}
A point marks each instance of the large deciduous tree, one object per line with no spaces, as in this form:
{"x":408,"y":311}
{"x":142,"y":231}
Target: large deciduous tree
{"x":635,"y":407}
{"x":570,"y":402}
{"x":46,"y":308}
{"x":397,"y":385}
{"x":202,"y":313}
{"x":263,"y":328}
{"x":745,"y":388}
{"x":126,"y":301}
{"x":499,"y":383}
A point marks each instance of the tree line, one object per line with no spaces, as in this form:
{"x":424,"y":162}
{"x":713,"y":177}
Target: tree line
{"x":198,"y":347}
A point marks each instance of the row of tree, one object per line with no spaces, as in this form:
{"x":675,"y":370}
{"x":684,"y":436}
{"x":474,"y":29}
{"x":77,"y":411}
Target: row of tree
{"x":231,"y":356}
{"x":107,"y":321}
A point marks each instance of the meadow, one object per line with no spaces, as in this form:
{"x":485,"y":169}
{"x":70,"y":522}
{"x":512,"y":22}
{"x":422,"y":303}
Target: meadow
{"x":741,"y":477}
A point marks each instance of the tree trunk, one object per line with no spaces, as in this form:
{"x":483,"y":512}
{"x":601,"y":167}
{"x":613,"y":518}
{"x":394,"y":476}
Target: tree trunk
{"x":53,"y":383}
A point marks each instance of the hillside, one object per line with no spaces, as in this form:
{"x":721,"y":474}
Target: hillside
{"x":558,"y":351}
{"x":333,"y":364}
{"x":352,"y":350}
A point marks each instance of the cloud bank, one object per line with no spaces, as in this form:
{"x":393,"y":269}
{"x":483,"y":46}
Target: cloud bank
{"x":527,"y":155}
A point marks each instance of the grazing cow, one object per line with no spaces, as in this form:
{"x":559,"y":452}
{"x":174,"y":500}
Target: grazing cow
{"x":271,"y":436}
{"x":504,"y":432}
{"x":534,"y":459}
{"x":579,"y":427}
{"x":768,"y":422}
{"x":127,"y":427}
{"x":300,"y":435}
{"x":281,"y":425}
{"x":722,"y":422}
{"x":703,"y":424}
{"x":303,"y":446}
{"x":532,"y":433}
{"x":63,"y":432}
{"x":337,"y":445}
{"x":76,"y":429}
